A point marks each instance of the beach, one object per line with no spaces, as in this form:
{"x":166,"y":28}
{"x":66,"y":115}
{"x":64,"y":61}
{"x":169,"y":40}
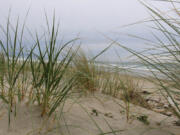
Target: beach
{"x":93,"y":114}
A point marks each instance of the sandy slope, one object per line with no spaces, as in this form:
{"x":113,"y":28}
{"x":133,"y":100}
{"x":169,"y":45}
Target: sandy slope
{"x":81,"y":117}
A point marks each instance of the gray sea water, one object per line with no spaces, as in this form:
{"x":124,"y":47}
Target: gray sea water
{"x":133,"y":68}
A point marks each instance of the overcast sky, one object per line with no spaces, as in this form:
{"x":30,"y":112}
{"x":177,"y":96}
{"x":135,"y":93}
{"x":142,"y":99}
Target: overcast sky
{"x":84,"y":17}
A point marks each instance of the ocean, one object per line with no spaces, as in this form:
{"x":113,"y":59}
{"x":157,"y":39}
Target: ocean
{"x":132,"y":68}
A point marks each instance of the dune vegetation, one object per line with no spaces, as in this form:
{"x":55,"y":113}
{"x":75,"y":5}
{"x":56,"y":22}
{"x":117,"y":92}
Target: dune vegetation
{"x":47,"y":74}
{"x":163,"y":55}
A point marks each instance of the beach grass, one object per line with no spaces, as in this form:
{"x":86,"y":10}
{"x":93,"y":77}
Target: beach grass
{"x":163,"y":56}
{"x":48,"y":73}
{"x":48,"y":76}
{"x":12,"y":50}
{"x":87,"y":73}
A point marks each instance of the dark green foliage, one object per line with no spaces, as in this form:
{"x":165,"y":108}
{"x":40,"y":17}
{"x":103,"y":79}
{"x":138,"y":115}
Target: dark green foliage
{"x":143,"y":119}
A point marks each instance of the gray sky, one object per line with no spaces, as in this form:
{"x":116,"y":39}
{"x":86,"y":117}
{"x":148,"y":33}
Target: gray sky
{"x":80,"y":14}
{"x":84,"y":17}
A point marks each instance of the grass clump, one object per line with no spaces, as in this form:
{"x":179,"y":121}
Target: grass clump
{"x":124,"y":87}
{"x":87,"y":73}
{"x":12,"y":49}
{"x":162,"y":59}
{"x":50,"y":86}
{"x":39,"y":74}
{"x":2,"y":73}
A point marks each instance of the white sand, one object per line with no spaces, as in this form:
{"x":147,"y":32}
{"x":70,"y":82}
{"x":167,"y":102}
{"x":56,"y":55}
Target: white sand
{"x":78,"y":119}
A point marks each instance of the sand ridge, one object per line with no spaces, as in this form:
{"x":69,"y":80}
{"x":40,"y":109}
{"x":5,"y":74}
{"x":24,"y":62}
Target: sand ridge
{"x":90,"y":115}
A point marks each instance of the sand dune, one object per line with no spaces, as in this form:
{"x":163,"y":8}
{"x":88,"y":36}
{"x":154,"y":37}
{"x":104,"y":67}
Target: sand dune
{"x":81,"y":116}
